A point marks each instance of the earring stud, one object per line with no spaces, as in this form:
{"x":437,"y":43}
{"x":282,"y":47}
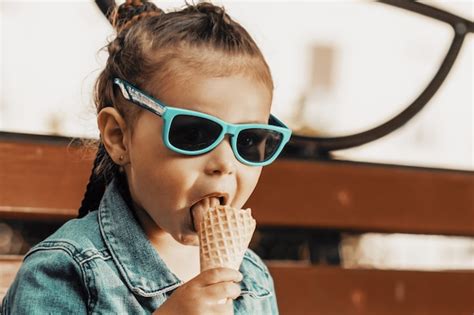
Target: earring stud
{"x":121,"y":157}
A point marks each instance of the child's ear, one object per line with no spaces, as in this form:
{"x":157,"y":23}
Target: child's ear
{"x":113,"y":132}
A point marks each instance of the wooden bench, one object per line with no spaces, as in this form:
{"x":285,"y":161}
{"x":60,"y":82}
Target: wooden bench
{"x":44,"y":178}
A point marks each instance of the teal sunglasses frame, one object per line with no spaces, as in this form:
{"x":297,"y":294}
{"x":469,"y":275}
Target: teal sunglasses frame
{"x":167,"y":113}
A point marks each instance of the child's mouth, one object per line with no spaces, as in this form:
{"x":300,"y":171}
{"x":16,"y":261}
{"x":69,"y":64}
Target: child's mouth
{"x":199,"y":208}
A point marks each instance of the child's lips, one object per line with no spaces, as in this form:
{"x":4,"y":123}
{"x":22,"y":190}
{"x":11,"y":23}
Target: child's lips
{"x":198,"y":209}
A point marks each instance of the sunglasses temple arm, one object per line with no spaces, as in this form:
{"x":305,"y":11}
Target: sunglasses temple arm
{"x":124,"y":91}
{"x":139,"y":98}
{"x":277,"y":121}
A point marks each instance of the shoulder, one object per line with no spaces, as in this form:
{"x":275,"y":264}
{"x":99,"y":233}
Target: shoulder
{"x":78,"y":238}
{"x":65,"y":248}
{"x":56,"y":265}
{"x":39,"y":265}
{"x":48,"y":281}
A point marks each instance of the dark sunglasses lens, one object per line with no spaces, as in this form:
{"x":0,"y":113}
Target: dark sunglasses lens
{"x":193,"y":133}
{"x":258,"y":145}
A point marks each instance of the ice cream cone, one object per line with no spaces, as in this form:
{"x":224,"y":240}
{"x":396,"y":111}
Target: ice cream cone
{"x":224,"y":235}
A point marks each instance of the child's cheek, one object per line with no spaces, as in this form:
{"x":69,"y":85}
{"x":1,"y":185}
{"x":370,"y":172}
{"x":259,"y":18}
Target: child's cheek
{"x":247,"y":183}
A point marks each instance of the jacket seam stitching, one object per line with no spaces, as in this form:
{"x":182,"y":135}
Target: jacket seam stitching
{"x":76,"y":261}
{"x":254,"y":293}
{"x":88,"y":275}
{"x":98,"y":255}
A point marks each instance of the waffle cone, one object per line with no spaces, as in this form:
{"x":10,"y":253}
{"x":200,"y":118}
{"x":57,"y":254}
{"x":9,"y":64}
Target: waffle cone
{"x":224,"y":235}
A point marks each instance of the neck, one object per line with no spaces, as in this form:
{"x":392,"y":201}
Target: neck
{"x":181,"y":259}
{"x":155,"y":234}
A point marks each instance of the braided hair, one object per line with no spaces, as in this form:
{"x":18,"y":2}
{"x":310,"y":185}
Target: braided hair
{"x":169,"y":48}
{"x":104,"y":169}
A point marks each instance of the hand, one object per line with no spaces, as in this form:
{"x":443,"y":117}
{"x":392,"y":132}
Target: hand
{"x":210,"y":292}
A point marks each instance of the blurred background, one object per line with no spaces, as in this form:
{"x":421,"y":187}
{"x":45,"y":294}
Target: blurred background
{"x":340,"y":67}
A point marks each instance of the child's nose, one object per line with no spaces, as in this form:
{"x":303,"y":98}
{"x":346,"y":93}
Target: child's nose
{"x":222,"y":160}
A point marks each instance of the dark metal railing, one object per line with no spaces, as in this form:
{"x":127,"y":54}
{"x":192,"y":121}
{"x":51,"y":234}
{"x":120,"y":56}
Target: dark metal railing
{"x":320,"y":147}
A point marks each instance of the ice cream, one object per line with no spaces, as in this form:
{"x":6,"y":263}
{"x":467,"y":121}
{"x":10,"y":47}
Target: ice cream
{"x":224,"y":236}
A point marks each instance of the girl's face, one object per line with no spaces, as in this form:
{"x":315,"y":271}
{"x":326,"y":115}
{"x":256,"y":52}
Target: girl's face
{"x":165,"y":184}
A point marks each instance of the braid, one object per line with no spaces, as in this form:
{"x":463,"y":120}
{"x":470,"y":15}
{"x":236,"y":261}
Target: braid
{"x":131,"y":11}
{"x":95,"y":187}
{"x":138,"y":17}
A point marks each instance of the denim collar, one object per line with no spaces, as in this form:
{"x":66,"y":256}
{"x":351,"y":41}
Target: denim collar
{"x":145,"y":273}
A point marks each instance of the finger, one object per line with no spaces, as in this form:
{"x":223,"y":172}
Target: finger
{"x":223,"y":291}
{"x":217,"y":275}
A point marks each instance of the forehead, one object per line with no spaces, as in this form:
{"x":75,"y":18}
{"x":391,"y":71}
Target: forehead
{"x":235,"y":98}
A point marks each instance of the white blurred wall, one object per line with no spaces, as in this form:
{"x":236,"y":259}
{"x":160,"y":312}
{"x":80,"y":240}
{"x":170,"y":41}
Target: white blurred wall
{"x":382,"y":58}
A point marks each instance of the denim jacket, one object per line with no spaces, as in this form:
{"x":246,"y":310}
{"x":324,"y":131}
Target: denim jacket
{"x":103,"y":263}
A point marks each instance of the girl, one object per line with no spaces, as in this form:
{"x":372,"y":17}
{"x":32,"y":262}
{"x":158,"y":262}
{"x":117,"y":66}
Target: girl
{"x":184,"y":117}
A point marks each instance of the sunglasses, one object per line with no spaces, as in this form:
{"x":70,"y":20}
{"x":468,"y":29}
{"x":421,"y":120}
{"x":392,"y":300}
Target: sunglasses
{"x":192,"y":133}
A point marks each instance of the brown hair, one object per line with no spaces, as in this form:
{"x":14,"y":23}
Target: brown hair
{"x":167,"y":48}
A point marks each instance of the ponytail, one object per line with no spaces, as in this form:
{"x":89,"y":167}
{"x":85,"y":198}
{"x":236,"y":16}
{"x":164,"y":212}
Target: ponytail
{"x":98,"y":181}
